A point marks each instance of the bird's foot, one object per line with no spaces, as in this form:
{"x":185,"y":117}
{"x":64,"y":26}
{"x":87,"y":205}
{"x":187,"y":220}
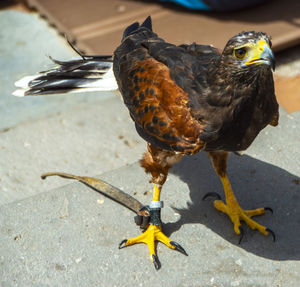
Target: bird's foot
{"x":237,"y":214}
{"x":153,"y":233}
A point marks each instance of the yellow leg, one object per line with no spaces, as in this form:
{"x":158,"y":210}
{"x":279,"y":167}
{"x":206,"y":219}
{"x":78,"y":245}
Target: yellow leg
{"x":236,"y":213}
{"x":156,"y":192}
{"x":153,"y":232}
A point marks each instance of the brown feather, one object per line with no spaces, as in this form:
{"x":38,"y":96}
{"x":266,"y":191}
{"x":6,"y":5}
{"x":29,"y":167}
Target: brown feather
{"x":160,"y":107}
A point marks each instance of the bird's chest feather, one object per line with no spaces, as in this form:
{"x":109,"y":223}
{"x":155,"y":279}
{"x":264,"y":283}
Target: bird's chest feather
{"x":245,"y":117}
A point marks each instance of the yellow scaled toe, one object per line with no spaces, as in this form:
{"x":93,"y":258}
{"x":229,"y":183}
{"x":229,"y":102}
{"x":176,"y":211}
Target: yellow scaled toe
{"x":237,"y":214}
{"x":152,"y":234}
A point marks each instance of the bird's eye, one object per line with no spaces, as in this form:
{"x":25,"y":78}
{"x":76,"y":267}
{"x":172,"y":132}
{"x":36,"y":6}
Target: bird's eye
{"x":240,"y":53}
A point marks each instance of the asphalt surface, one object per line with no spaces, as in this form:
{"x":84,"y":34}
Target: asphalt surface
{"x":58,"y":233}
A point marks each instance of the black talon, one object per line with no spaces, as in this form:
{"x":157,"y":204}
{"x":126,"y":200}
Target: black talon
{"x":121,"y":243}
{"x":269,"y":208}
{"x":178,"y":247}
{"x":242,"y":234}
{"x":272,"y":233}
{"x":214,"y":194}
{"x":156,"y":262}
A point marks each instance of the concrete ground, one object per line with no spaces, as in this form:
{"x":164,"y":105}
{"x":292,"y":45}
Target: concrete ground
{"x":54,"y":233}
{"x":83,"y":133}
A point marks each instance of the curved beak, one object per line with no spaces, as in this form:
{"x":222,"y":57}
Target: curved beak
{"x":267,"y":57}
{"x":262,"y":54}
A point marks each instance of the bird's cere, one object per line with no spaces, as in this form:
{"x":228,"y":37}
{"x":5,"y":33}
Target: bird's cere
{"x":261,"y":53}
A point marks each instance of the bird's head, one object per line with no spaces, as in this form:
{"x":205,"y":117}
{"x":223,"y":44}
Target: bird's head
{"x":248,"y":49}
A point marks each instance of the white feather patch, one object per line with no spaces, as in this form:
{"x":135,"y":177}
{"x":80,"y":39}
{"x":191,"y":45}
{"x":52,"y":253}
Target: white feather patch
{"x":23,"y":83}
{"x":19,"y":93}
{"x":106,"y":83}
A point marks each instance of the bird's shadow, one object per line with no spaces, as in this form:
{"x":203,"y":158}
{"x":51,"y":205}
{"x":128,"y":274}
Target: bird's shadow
{"x":255,"y":184}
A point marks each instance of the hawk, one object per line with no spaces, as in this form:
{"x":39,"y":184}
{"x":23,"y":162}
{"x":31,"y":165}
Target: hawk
{"x":183,"y":99}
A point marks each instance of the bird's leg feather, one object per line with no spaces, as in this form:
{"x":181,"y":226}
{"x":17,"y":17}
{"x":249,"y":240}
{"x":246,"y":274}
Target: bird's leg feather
{"x":157,"y":162}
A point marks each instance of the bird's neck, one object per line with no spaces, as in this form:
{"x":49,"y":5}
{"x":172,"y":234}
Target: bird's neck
{"x":237,"y":82}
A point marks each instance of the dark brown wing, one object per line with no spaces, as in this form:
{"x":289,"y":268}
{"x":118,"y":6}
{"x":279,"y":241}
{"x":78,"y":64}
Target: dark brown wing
{"x":187,"y":97}
{"x":160,"y":84}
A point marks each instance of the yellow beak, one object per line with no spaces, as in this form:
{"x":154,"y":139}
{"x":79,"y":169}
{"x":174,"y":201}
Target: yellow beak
{"x":261,"y":53}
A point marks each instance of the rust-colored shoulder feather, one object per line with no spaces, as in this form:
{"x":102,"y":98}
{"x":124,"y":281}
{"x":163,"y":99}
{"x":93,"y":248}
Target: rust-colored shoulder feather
{"x":160,"y":109}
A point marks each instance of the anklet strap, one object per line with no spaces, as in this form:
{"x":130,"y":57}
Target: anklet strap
{"x":156,"y":204}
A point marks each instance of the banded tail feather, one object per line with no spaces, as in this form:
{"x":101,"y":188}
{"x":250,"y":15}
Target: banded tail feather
{"x":86,"y":74}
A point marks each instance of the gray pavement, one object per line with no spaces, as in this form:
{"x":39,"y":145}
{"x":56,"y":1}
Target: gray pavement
{"x":86,"y":139}
{"x":58,"y":233}
{"x":69,"y":236}
{"x":83,"y":133}
{"x":27,"y":41}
